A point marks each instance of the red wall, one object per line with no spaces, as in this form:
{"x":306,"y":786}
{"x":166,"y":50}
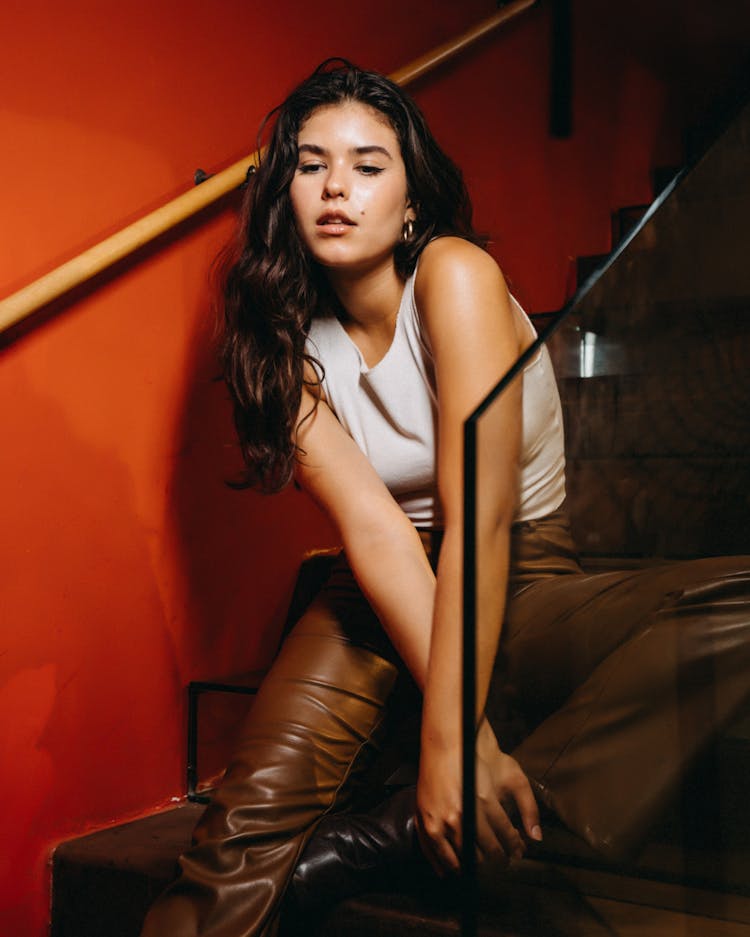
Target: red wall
{"x":128,"y":567}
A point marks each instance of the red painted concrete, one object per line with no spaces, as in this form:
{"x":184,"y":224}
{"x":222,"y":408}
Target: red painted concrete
{"x":128,"y":567}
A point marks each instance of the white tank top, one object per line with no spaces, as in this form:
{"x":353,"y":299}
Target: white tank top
{"x":390,"y":410}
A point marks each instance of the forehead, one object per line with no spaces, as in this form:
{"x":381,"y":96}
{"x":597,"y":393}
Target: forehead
{"x":349,"y":119}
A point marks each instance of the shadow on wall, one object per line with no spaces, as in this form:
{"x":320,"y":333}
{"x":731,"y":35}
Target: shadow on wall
{"x":85,"y":646}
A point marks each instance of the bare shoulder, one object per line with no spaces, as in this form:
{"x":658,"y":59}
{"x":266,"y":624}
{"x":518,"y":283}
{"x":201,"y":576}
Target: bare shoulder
{"x":450,"y":266}
{"x":461,"y":295}
{"x":452,"y":249}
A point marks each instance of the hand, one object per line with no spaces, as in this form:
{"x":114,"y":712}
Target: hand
{"x":510,"y":784}
{"x":500,"y":781}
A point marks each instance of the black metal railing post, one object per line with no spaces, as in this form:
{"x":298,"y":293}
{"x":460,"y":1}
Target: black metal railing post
{"x":561,"y":71}
{"x":468,"y":851}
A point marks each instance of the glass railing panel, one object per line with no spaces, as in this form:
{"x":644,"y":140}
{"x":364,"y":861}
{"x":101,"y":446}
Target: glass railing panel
{"x":652,"y":361}
{"x":654,"y":370}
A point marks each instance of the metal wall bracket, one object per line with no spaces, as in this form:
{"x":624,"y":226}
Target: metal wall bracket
{"x":200,"y":175}
{"x":246,"y":685}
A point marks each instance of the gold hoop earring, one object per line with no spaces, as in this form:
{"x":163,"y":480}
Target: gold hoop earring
{"x":407,"y":232}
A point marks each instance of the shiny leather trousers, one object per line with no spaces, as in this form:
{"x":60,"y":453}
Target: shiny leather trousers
{"x":605,"y":688}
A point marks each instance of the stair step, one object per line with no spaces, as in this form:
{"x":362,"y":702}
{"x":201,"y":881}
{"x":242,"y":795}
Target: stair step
{"x":586,"y":265}
{"x":624,"y":220}
{"x":519,"y":910}
{"x":661,"y":176}
{"x":103,"y":884}
{"x":529,"y":909}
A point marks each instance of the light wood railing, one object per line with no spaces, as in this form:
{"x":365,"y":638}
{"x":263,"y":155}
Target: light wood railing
{"x":74,"y":272}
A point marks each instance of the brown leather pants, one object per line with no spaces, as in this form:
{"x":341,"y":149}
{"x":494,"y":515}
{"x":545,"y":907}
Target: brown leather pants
{"x":605,"y":687}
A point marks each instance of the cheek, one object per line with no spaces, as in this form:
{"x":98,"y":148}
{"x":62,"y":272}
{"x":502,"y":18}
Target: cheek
{"x":387,"y":207}
{"x":397,"y":202}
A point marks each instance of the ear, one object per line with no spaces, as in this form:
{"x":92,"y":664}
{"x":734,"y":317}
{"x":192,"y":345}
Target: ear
{"x":410,"y":214}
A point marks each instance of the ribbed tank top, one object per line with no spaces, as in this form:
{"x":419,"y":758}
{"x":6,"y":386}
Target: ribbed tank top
{"x":390,"y":410}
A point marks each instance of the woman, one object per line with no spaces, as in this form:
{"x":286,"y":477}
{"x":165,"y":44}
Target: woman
{"x":364,"y":324}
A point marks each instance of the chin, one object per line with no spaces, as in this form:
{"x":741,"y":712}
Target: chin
{"x":335,"y":255}
{"x":341,"y":257}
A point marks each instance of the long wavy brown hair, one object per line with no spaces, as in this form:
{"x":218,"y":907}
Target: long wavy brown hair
{"x":273,"y":289}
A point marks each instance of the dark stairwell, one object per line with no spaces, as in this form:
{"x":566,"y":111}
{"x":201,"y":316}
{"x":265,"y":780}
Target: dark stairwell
{"x":653,"y":364}
{"x":653,"y":367}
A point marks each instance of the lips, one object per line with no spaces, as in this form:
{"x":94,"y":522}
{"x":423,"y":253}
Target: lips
{"x":334,"y":218}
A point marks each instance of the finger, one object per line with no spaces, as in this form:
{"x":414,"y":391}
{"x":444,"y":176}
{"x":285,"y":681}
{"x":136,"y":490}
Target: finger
{"x":489,"y":847}
{"x":439,"y":851}
{"x":427,"y":852}
{"x":504,"y":831}
{"x":527,"y":808}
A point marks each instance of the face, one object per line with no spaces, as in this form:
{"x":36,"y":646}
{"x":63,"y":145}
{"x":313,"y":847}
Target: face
{"x":349,"y":189}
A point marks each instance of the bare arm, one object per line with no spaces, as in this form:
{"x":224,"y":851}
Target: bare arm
{"x":382,"y":546}
{"x":466,"y":308}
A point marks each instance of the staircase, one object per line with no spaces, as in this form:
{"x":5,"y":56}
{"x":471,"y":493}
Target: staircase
{"x":653,"y":366}
{"x":104,"y":883}
{"x":654,"y":370}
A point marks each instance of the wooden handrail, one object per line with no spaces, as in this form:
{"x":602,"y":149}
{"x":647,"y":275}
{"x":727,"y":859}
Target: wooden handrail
{"x":64,"y":278}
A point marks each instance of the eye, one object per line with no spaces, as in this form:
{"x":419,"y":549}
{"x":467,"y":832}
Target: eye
{"x":309,"y":168}
{"x":367,"y":170}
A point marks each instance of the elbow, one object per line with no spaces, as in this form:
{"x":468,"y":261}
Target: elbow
{"x":494,"y":517}
{"x":497,"y":521}
{"x":377,"y":528}
{"x":493,"y":530}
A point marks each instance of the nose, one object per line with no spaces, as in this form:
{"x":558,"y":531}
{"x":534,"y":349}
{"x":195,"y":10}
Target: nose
{"x":334,"y":185}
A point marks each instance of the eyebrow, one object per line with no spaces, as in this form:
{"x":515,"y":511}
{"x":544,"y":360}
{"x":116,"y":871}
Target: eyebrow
{"x":357,"y":150}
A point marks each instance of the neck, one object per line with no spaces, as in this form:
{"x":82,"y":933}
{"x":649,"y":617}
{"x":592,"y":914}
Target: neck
{"x":370,"y":300}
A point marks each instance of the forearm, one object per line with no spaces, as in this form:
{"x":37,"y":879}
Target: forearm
{"x":441,"y":721}
{"x":498,"y":776}
{"x":423,"y":617}
{"x":392,"y":569}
